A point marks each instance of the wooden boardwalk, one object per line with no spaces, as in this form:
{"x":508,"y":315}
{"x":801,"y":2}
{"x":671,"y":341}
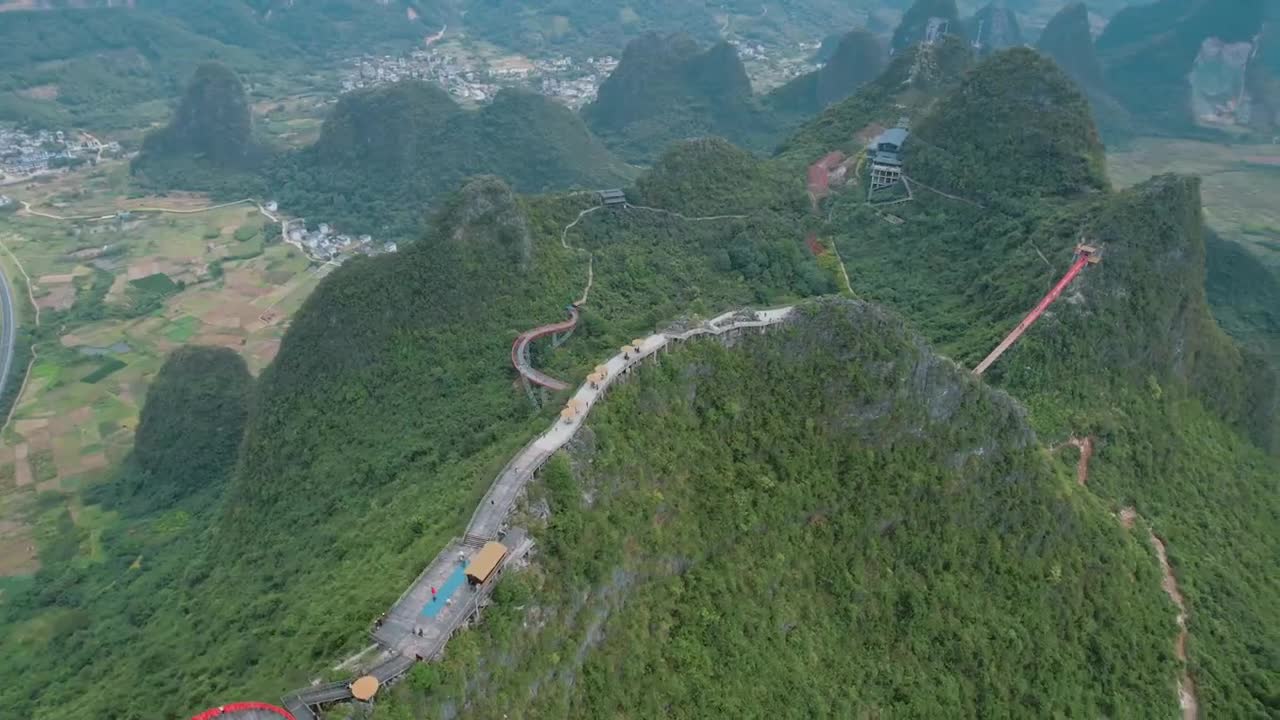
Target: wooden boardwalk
{"x":418,"y":627}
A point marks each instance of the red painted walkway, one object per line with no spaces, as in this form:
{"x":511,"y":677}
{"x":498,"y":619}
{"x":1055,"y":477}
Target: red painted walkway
{"x":520,"y":351}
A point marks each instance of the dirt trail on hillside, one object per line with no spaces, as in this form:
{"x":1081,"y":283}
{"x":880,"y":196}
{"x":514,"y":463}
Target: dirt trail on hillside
{"x":1186,"y":686}
{"x":1169,"y":583}
{"x":1085,"y":445}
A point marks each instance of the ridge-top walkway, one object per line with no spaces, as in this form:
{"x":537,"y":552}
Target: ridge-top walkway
{"x":421,"y":621}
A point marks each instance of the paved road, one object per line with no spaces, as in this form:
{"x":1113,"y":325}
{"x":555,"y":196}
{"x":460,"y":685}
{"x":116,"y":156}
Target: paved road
{"x":8,"y":330}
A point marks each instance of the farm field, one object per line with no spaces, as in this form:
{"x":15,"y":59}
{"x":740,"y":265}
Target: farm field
{"x":1240,"y":184}
{"x":114,"y":297}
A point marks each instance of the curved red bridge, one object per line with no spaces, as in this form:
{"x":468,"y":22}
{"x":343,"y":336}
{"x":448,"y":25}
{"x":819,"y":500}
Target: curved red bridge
{"x":520,"y":351}
{"x":246,"y":711}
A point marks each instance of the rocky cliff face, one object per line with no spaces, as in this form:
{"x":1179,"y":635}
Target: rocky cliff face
{"x":923,"y":17}
{"x":994,"y":28}
{"x":1150,"y":51}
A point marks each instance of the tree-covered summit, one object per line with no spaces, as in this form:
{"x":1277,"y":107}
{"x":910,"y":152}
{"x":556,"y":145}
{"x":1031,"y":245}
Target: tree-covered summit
{"x":209,"y":142}
{"x":212,"y":122}
{"x":190,"y":428}
{"x":1068,"y":40}
{"x":668,"y":88}
{"x":386,"y":155}
{"x":855,"y":60}
{"x":1016,"y":126}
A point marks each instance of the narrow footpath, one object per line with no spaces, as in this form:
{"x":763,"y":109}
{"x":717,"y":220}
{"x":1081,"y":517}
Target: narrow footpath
{"x":1169,"y":583}
{"x":560,"y":331}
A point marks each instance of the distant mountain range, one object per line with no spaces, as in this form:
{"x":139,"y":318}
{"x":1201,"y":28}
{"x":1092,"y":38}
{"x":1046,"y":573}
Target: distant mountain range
{"x":112,"y":57}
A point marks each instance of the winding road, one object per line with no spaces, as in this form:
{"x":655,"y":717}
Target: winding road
{"x":8,"y":330}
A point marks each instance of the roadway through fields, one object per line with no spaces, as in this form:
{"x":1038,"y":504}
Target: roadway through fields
{"x":8,"y":331}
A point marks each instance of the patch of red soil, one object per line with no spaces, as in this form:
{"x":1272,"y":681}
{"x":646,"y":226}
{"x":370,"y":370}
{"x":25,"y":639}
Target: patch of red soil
{"x":815,"y":247}
{"x":1085,"y":445}
{"x":1186,"y":686}
{"x":819,"y":175}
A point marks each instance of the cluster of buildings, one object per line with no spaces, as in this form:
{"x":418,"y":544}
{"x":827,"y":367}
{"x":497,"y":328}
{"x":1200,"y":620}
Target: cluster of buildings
{"x":571,"y":82}
{"x":769,"y":67}
{"x":25,"y":154}
{"x":460,"y":79}
{"x":474,"y":78}
{"x":325,"y":244}
{"x":477,"y":80}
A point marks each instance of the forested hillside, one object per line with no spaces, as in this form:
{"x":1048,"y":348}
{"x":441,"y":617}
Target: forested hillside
{"x":386,"y":155}
{"x":208,"y":143}
{"x":912,"y":82}
{"x":826,"y":521}
{"x":98,"y":64}
{"x":712,"y":177}
{"x":858,"y":58}
{"x":101,"y":66}
{"x":388,"y":409}
{"x":1056,"y":150}
{"x":1130,"y":357}
{"x":754,"y":531}
{"x":189,"y":433}
{"x":668,"y":88}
